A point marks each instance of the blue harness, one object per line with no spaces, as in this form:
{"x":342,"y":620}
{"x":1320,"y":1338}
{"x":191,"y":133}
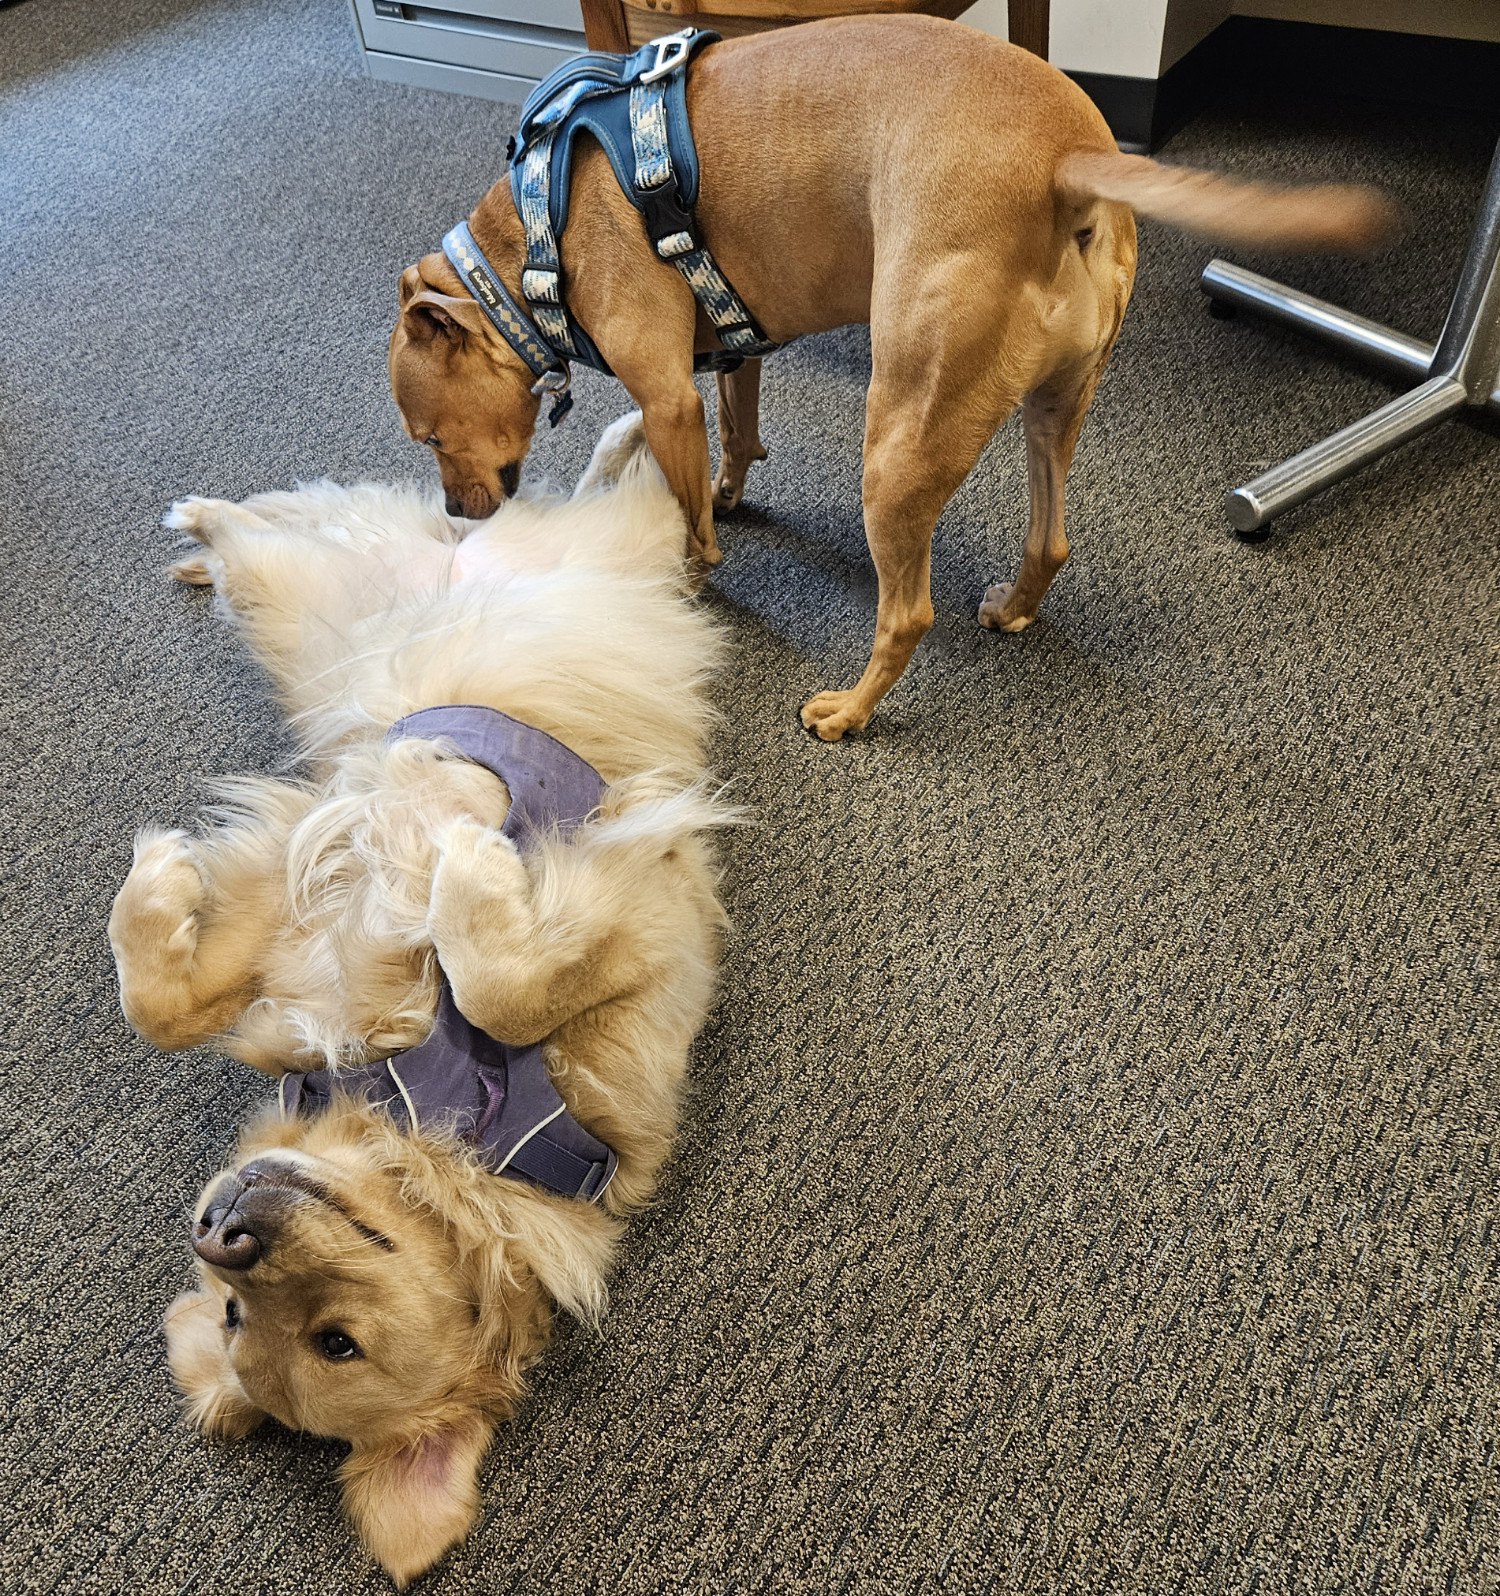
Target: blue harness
{"x":494,"y":1095}
{"x":636,"y":107}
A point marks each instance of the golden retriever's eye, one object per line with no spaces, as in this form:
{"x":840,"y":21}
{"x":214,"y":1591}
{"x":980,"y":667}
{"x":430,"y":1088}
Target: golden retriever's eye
{"x":231,"y":1314}
{"x":336,"y":1346}
{"x":431,"y":440}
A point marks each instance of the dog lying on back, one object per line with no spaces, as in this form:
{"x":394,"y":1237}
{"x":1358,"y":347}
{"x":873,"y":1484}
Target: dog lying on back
{"x":364,"y":1271}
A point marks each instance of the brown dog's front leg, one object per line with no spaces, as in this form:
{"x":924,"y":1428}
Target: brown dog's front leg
{"x":739,"y":432}
{"x":675,"y":430}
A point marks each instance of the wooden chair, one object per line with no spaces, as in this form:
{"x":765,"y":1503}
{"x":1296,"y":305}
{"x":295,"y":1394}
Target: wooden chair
{"x":624,"y":24}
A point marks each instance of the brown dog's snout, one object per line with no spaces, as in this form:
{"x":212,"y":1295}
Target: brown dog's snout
{"x":475,"y":501}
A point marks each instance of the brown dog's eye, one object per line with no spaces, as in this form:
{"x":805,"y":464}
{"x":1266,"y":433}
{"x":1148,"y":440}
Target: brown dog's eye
{"x":431,"y":441}
{"x":336,"y":1346}
{"x":231,"y":1314}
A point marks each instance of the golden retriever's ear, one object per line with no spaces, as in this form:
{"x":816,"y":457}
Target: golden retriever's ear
{"x":569,"y":1253}
{"x":411,"y":1503}
{"x":200,"y":1365}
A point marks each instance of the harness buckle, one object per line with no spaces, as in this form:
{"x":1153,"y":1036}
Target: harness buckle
{"x":539,"y":285}
{"x":671,"y":53}
{"x":667,"y":220}
{"x":556,"y":382}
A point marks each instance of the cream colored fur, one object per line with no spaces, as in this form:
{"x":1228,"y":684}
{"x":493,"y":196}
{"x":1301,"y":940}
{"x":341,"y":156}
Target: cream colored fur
{"x":304,"y":925}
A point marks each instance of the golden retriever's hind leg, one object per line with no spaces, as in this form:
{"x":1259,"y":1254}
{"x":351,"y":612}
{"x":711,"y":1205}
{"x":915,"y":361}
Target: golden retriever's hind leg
{"x":192,"y":570}
{"x":205,"y":519}
{"x":1053,"y":414}
{"x":620,"y":442}
{"x":739,"y":432}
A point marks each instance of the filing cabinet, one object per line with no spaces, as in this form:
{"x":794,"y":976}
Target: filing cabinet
{"x":500,"y":49}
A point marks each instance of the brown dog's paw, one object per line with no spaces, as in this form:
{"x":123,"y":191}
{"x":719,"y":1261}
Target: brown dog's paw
{"x":996,"y":613}
{"x":729,"y":485}
{"x":829,"y":715}
{"x":728,"y":490}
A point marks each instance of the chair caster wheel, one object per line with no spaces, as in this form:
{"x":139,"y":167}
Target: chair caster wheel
{"x":1222,"y":310}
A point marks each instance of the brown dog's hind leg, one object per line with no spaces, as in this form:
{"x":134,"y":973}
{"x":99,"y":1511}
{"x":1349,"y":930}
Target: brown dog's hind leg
{"x":922,"y":438}
{"x":1053,"y":414}
{"x":739,"y":432}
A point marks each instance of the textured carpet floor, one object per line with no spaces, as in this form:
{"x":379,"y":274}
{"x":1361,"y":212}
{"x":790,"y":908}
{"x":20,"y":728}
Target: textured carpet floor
{"x":1091,"y":1181}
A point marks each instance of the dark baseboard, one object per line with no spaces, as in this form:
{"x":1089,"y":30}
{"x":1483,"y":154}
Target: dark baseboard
{"x":1248,"y":60}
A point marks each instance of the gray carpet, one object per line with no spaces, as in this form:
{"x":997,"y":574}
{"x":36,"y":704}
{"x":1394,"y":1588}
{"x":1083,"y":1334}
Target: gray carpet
{"x":1090,"y":1184}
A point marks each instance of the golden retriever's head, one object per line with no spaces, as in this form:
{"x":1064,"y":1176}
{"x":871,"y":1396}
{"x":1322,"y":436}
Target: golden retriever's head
{"x":359,"y":1284}
{"x":460,"y":388}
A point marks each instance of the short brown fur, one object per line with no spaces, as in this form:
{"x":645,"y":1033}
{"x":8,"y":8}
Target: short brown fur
{"x":957,"y":193}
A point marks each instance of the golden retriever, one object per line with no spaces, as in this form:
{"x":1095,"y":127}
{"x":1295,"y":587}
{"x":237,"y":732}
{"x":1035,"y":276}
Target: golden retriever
{"x":373,"y":1281}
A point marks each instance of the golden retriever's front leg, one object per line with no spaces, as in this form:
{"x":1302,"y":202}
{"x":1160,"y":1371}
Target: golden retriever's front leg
{"x":184,"y":976}
{"x":524,"y":955}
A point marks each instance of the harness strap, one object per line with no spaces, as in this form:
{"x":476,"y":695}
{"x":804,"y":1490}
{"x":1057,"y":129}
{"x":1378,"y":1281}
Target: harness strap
{"x":638,"y":98}
{"x":494,"y":1095}
{"x":541,"y":275}
{"x":671,"y":228}
{"x":508,"y":319}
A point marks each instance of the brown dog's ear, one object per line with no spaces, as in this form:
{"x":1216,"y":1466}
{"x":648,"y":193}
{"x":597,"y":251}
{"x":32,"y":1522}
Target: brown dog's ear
{"x":428,"y":313}
{"x":411,"y":282}
{"x":411,"y":1502}
{"x":196,"y":1353}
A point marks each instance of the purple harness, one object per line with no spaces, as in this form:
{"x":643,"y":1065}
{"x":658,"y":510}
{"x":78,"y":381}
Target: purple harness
{"x":493,"y":1095}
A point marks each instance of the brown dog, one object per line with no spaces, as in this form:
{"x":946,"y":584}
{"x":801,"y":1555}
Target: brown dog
{"x":960,"y":195}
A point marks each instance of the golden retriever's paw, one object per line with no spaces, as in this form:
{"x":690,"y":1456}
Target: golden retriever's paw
{"x":999,"y":614}
{"x":478,"y":880}
{"x":467,"y":842}
{"x":198,"y":1355}
{"x":199,"y":518}
{"x":156,"y":912}
{"x":193,"y":570}
{"x":830,"y":715}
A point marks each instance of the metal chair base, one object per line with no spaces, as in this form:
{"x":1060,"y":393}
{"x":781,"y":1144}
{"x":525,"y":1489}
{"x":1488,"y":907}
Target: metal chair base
{"x":1462,"y":371}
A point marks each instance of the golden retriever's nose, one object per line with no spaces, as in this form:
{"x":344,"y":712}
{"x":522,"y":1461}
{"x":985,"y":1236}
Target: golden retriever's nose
{"x":224,"y":1238}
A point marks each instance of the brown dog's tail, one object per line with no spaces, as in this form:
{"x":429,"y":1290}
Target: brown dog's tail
{"x":1230,"y":210}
